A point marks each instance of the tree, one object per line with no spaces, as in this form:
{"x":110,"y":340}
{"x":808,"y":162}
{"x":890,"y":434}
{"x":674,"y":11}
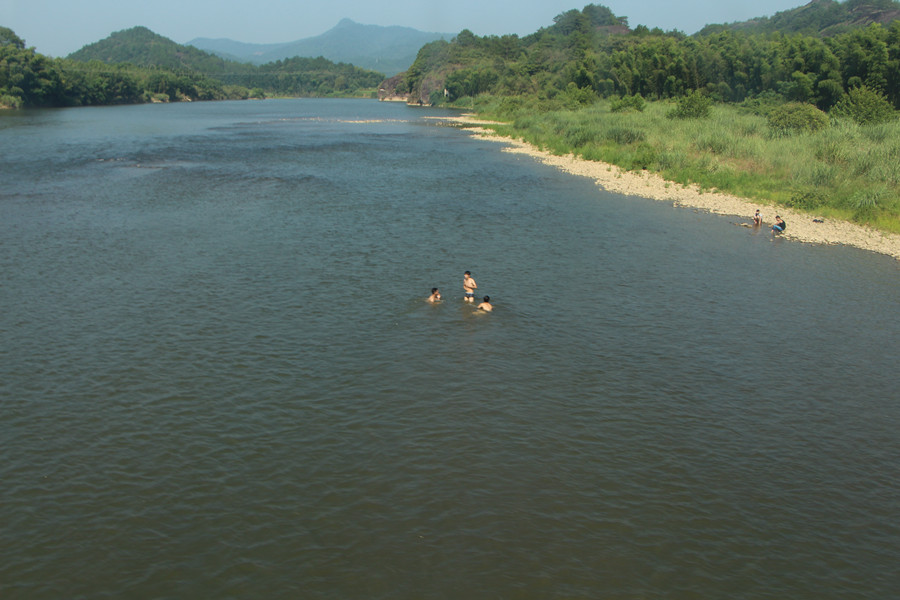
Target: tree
{"x":9,"y":38}
{"x":796,"y":117}
{"x":466,"y":38}
{"x":865,"y":106}
{"x":694,"y":106}
{"x":829,"y":93}
{"x":600,"y":16}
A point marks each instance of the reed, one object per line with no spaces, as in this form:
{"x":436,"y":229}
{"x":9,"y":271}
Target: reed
{"x":852,"y":171}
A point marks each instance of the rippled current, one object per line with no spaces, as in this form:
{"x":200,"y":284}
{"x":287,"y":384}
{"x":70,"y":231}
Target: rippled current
{"x":219,"y":377}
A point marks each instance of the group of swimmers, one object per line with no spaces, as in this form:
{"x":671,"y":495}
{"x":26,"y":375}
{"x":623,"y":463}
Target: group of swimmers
{"x":778,"y":227}
{"x":469,"y":287}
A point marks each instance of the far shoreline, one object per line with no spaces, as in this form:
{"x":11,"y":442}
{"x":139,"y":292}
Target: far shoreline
{"x":800,"y":226}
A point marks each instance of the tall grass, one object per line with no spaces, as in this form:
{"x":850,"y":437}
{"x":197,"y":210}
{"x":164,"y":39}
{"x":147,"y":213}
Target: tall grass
{"x":845,"y":170}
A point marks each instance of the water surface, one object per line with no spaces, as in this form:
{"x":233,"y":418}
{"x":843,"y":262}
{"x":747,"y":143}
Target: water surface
{"x":219,"y":377}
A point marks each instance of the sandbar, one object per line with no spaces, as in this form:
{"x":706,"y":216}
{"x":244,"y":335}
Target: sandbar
{"x":802,"y":227}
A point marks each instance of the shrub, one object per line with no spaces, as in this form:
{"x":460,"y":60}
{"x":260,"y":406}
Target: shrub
{"x":865,"y":106}
{"x":764,"y":103}
{"x":574,"y":97}
{"x":715,"y":142}
{"x":580,"y":135}
{"x":627,"y":103}
{"x":694,"y":106}
{"x":866,"y":204}
{"x":624,"y":135}
{"x":643,"y":157}
{"x":510,"y":107}
{"x":796,"y":117}
{"x":10,"y":101}
{"x":806,"y":200}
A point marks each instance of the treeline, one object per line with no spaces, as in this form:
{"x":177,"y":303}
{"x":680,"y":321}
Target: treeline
{"x":300,"y":76}
{"x":591,"y":54}
{"x":30,"y":79}
{"x":137,"y":66}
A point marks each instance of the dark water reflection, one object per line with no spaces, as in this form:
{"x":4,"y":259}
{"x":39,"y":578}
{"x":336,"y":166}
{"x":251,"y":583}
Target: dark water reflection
{"x":219,"y":377}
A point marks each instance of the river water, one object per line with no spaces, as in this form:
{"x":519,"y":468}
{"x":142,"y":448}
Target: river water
{"x":219,"y":377}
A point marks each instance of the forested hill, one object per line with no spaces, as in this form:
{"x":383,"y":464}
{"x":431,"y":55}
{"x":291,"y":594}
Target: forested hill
{"x":589,"y":54}
{"x":819,"y":17}
{"x":141,"y":47}
{"x":30,"y":79}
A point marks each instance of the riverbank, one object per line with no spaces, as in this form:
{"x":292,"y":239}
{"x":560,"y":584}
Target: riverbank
{"x":802,"y":227}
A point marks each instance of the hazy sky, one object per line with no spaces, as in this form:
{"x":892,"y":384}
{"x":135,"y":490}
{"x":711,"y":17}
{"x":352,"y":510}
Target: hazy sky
{"x":60,"y":27}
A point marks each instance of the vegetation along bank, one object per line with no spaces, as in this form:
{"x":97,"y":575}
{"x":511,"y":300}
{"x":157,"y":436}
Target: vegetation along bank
{"x":798,"y":111}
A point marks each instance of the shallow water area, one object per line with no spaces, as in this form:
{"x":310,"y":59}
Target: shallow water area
{"x":220,"y":377}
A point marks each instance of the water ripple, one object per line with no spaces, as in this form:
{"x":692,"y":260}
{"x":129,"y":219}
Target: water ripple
{"x":219,"y":377}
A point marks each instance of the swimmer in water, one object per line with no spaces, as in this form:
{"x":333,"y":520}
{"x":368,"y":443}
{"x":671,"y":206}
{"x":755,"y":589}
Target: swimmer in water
{"x":486,"y":305}
{"x":435,"y":295}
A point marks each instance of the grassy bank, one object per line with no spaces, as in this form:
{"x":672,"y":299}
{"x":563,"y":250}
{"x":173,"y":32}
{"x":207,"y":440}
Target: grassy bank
{"x":843,"y":171}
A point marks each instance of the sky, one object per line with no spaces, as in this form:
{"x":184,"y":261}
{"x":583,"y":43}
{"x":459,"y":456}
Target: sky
{"x":60,"y":27}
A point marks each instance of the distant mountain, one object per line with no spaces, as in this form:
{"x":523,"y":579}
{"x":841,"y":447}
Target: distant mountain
{"x":819,"y":17}
{"x":389,"y":50}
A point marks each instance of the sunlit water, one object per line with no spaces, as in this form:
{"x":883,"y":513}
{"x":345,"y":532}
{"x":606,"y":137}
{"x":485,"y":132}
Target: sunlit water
{"x":220,"y":379}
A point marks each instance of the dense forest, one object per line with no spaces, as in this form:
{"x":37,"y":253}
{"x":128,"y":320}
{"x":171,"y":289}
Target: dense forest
{"x":137,"y":65}
{"x":591,"y":54}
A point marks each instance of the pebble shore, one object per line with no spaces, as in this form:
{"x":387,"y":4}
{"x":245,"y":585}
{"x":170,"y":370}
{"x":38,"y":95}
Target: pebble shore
{"x":802,"y":227}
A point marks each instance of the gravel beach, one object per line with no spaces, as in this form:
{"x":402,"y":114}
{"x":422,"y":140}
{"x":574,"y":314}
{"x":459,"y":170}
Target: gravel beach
{"x":802,"y":227}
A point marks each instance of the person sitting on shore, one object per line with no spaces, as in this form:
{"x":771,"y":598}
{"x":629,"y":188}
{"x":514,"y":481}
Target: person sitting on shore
{"x":435,"y":295}
{"x":757,"y":218}
{"x":486,"y":305}
{"x":779,"y":225}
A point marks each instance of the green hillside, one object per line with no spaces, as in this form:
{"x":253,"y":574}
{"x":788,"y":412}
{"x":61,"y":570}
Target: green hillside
{"x":819,"y":17}
{"x":591,"y":54}
{"x":29,"y":79}
{"x":141,"y":47}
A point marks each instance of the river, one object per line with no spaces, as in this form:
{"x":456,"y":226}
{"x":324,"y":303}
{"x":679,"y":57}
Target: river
{"x":220,"y":379}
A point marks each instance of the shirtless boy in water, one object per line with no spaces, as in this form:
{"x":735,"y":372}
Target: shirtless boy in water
{"x":486,"y":305}
{"x":469,"y":287}
{"x":435,"y":295}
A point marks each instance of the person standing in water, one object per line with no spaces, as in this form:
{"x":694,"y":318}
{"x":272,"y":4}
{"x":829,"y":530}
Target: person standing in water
{"x":486,"y":305}
{"x":435,"y":295}
{"x":757,"y":218}
{"x":469,"y":287}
